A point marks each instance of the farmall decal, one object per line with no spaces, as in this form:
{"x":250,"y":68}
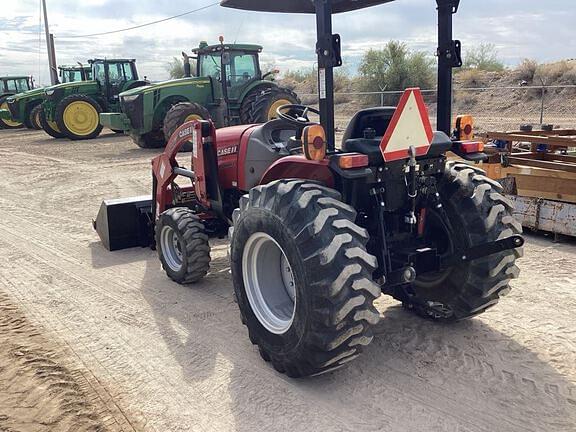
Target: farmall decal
{"x":228,"y":150}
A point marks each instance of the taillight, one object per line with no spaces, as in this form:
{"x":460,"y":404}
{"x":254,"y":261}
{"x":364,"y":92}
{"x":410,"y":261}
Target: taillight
{"x":464,"y":128}
{"x":472,"y":146}
{"x":353,"y":160}
{"x":314,"y":142}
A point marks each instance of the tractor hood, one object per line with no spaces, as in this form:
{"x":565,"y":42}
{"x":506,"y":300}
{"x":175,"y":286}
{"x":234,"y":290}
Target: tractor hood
{"x":51,"y":89}
{"x":299,"y":6}
{"x":27,"y":94}
{"x":201,"y":81}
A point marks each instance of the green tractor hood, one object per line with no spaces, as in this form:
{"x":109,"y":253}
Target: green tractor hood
{"x":75,"y":84}
{"x":30,"y":94}
{"x":199,"y":81}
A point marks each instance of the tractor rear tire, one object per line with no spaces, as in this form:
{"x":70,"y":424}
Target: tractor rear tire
{"x":51,"y":128}
{"x":477,"y":213}
{"x":302,"y":277}
{"x":8,"y":124}
{"x":182,"y":245}
{"x":34,"y":118}
{"x":150,"y":140}
{"x":180,"y":114}
{"x":78,"y":117}
{"x":260,"y":105}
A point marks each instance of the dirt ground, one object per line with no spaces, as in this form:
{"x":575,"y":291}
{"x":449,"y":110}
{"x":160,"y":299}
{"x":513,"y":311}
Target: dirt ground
{"x":92,"y":340}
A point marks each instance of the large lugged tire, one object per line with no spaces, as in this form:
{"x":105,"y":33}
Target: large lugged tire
{"x":78,"y":117}
{"x":477,"y":213}
{"x":8,"y":124}
{"x":260,"y":105}
{"x":302,"y":277}
{"x":150,"y":140}
{"x":181,"y":113}
{"x":50,"y":127}
{"x":34,"y":118}
{"x":182,"y":245}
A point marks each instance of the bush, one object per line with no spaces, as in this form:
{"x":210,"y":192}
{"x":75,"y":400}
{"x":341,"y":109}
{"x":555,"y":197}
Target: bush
{"x":471,"y":78}
{"x":483,"y":57}
{"x":526,"y":70}
{"x":394,"y":67}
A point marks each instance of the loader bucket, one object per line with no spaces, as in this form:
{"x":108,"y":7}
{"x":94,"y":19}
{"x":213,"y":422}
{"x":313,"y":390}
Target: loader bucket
{"x":125,"y":223}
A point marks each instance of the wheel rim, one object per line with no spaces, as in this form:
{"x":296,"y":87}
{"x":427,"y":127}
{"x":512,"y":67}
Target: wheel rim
{"x":81,"y":118}
{"x":193,"y":117}
{"x":269,"y":283}
{"x":10,"y":123}
{"x":171,"y":248}
{"x":272,"y":114}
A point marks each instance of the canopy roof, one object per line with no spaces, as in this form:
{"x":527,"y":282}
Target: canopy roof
{"x":299,"y":6}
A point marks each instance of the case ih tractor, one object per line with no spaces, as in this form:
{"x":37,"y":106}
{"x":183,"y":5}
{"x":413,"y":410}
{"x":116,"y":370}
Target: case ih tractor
{"x":26,"y":107}
{"x":229,"y":88}
{"x":71,"y":110}
{"x":11,"y":85}
{"x":318,"y":233}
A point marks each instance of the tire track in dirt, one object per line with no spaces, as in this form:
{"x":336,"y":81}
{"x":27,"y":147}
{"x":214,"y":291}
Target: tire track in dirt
{"x":41,"y":389}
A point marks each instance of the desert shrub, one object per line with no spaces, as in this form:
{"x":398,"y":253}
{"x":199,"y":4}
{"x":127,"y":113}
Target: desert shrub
{"x":471,"y":78}
{"x":527,"y":69}
{"x":395,"y":67}
{"x":483,"y":57}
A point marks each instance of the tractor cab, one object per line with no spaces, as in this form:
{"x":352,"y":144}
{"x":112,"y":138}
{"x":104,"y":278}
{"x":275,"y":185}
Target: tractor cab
{"x":70,"y":74}
{"x":15,"y":84}
{"x":114,"y":76}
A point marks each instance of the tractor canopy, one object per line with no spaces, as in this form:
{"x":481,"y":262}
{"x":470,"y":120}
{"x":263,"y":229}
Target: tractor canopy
{"x":299,"y":6}
{"x":209,"y":49}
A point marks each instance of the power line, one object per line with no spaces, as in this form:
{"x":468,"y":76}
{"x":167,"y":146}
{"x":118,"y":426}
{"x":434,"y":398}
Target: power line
{"x":141,"y":25}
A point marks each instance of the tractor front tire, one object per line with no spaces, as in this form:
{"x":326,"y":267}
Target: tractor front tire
{"x":78,"y":117}
{"x":477,"y":213}
{"x":182,"y":245}
{"x":34,"y":118}
{"x":302,"y":277}
{"x":260,"y":105}
{"x":181,"y":113}
{"x":150,"y":140}
{"x":8,"y":124}
{"x":50,"y":127}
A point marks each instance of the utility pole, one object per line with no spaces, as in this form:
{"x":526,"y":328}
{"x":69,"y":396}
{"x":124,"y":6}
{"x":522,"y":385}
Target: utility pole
{"x":50,"y":47}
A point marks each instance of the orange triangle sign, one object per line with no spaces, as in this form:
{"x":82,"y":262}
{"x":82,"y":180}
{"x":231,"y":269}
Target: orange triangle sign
{"x":410,"y":126}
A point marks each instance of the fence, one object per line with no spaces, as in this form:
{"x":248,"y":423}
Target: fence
{"x":493,"y":108}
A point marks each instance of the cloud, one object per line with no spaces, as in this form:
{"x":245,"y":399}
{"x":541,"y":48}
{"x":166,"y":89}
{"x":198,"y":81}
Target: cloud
{"x":519,"y":28}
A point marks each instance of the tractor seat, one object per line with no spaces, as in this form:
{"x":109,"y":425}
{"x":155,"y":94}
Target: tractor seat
{"x":366,"y":129}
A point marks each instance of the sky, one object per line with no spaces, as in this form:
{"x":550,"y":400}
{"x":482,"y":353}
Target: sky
{"x":542,"y":30}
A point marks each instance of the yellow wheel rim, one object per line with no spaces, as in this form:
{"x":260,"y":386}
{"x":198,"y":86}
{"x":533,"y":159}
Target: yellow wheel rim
{"x":37,"y":119}
{"x":10,"y":123}
{"x":81,"y":118}
{"x":272,"y":114}
{"x":193,"y":117}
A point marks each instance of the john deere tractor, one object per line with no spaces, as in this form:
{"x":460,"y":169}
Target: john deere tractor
{"x":71,"y":109}
{"x":229,"y":88}
{"x":9,"y":86}
{"x":26,"y":107}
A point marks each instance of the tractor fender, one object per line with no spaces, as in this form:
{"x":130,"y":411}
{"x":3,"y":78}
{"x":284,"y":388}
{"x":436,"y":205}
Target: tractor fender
{"x":256,"y":85}
{"x":298,"y":167}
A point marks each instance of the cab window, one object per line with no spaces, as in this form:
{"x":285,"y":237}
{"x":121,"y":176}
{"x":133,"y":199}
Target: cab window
{"x":210,"y":66}
{"x":17,"y":85}
{"x":71,"y":76}
{"x":99,"y":73}
{"x":120,"y":72}
{"x":242,"y":68}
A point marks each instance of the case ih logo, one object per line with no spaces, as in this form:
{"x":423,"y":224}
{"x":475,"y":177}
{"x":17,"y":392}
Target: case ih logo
{"x":184,"y":133}
{"x":228,"y":150}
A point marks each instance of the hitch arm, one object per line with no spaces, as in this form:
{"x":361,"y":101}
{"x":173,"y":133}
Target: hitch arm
{"x":482,"y":250}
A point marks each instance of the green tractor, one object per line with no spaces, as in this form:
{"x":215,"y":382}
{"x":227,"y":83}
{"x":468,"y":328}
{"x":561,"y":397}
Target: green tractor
{"x":229,"y":88}
{"x":11,"y":85}
{"x":25,"y":108}
{"x":71,"y":110}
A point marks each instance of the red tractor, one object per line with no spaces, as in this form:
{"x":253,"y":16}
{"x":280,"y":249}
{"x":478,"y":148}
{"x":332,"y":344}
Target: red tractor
{"x":318,"y":233}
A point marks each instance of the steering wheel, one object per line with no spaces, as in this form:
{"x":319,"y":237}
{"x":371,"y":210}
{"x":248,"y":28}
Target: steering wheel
{"x":297,"y":114}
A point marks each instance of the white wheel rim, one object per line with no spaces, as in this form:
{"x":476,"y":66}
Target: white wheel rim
{"x":269,"y":283}
{"x":171,"y":248}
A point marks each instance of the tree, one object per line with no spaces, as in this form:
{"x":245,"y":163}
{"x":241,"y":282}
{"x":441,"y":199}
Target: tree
{"x":483,"y":57}
{"x":175,"y":68}
{"x":395,"y":67}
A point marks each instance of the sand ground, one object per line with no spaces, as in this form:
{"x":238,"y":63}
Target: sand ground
{"x":93,"y":340}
